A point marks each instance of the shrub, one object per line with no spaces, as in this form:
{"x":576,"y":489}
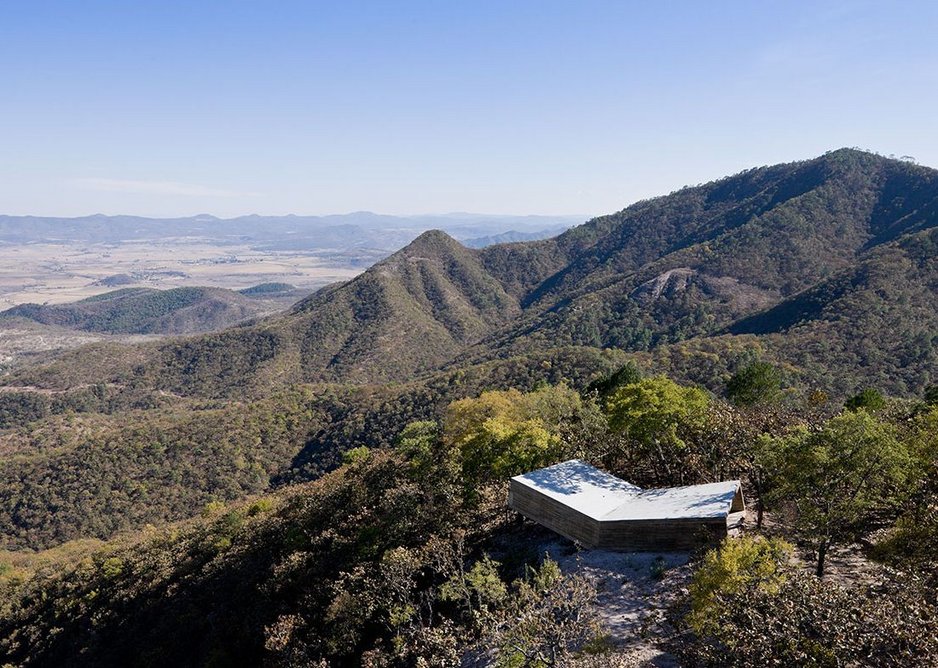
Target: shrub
{"x":755,"y":383}
{"x":730,"y":568}
{"x":804,"y":621}
{"x":869,"y":399}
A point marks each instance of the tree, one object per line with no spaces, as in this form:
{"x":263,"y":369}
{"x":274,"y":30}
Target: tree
{"x":731,"y":441}
{"x":755,"y":383}
{"x":420,"y":443}
{"x":869,"y":399}
{"x":626,"y":375}
{"x":834,"y":479}
{"x":652,"y":414}
{"x":500,"y":434}
{"x":931,"y":395}
{"x":548,"y":616}
{"x":914,"y":540}
{"x":727,"y":570}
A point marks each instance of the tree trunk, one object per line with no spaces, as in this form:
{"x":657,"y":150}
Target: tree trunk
{"x":821,"y":554}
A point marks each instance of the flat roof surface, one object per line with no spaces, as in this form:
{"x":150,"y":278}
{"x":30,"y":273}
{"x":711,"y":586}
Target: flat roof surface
{"x":602,"y":496}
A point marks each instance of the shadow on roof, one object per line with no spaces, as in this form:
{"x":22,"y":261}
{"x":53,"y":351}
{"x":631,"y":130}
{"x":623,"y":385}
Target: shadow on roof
{"x":570,"y":477}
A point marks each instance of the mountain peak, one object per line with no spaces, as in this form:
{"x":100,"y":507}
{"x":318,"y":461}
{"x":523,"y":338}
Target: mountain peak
{"x":853,"y":156}
{"x":432,"y":242}
{"x":435,"y":236}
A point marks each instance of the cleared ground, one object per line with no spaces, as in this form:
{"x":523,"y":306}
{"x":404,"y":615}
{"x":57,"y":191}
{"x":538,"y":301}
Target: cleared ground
{"x":58,"y":273}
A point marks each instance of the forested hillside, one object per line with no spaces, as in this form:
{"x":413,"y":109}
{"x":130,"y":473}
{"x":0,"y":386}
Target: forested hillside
{"x":732,"y":256}
{"x":371,"y":565}
{"x":107,"y":459}
{"x":725,"y":330}
{"x":151,"y":311}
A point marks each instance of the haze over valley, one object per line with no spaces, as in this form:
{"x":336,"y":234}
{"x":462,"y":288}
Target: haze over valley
{"x":675,"y":407}
{"x":56,"y":261}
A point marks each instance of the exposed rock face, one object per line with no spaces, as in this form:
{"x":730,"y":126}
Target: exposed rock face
{"x":669,"y":282}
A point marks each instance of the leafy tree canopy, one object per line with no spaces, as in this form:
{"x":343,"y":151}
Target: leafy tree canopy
{"x":833,"y":479}
{"x":869,"y":399}
{"x":503,"y":433}
{"x":757,"y":382}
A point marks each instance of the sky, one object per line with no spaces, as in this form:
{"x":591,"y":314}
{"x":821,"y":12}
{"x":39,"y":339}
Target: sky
{"x":165,"y":108}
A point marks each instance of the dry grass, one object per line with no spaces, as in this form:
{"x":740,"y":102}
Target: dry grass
{"x":58,"y":273}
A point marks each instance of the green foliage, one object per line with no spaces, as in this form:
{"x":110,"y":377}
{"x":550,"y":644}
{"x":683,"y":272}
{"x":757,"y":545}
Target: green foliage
{"x":267,"y":289}
{"x":260,"y":507}
{"x":500,"y":434}
{"x":804,"y":621}
{"x":627,"y":375}
{"x":913,"y":541}
{"x":549,"y":616}
{"x":356,"y":455}
{"x":111,"y":460}
{"x":654,"y":414}
{"x":869,"y":399}
{"x":653,"y":409}
{"x":383,"y":561}
{"x":145,"y":311}
{"x":757,"y":382}
{"x":112,"y":568}
{"x":103,"y":474}
{"x":727,"y":570}
{"x":480,"y":589}
{"x":930,"y":395}
{"x":419,"y":443}
{"x":832,"y":480}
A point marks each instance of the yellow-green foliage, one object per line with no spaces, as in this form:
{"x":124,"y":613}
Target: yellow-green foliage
{"x":653,"y":409}
{"x":500,"y":434}
{"x":654,"y":415}
{"x":261,"y":506}
{"x":726,"y":570}
{"x":832,"y":480}
{"x":914,"y":539}
{"x":355,"y":455}
{"x":547,"y":616}
{"x":478,"y":589}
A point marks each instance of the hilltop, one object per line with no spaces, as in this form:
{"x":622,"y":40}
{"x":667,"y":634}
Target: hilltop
{"x":151,"y":311}
{"x":820,"y":273}
{"x":706,"y":261}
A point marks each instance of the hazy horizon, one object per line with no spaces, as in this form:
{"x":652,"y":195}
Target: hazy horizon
{"x":335,"y":214}
{"x":533,"y":108}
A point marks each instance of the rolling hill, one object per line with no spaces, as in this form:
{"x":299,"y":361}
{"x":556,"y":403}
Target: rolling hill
{"x":825,"y":267}
{"x":725,"y":258}
{"x":150,"y":311}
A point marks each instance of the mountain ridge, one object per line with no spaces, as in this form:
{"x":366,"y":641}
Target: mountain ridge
{"x":719,"y":253}
{"x":176,"y":311}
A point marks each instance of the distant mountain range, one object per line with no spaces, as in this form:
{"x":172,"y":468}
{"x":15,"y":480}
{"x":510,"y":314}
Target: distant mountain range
{"x":826,"y":265}
{"x":361,"y":229}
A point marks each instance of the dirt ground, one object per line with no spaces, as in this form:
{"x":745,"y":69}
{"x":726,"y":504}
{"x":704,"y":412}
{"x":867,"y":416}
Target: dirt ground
{"x":634,"y":590}
{"x":56,"y":273}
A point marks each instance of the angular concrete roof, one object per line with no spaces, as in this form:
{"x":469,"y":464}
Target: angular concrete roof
{"x":604,"y":497}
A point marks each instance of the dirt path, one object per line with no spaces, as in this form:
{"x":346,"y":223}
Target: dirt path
{"x":634,"y":589}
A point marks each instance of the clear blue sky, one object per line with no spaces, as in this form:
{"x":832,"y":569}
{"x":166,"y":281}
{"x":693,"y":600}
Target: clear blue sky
{"x":170,"y":108}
